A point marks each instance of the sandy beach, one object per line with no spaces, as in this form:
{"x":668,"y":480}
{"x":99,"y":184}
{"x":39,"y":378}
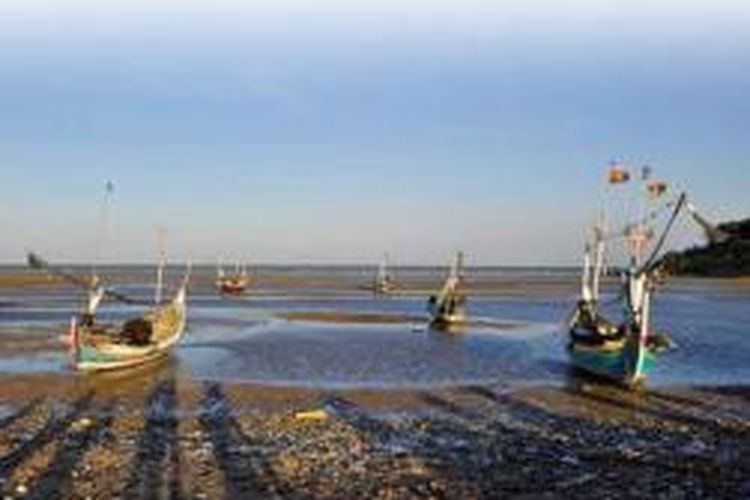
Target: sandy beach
{"x":170,"y":430}
{"x":159,"y":435}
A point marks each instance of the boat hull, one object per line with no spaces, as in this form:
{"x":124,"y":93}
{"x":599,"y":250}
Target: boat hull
{"x":621,"y":363}
{"x":90,"y":360}
{"x":448,"y":320}
{"x":231,"y":290}
{"x":168,"y":323}
{"x":231,"y":285}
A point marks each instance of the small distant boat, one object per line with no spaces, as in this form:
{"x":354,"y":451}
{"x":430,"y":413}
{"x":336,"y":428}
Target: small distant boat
{"x":624,"y":351}
{"x":383,"y":283}
{"x":234,"y":283}
{"x":448,"y":307}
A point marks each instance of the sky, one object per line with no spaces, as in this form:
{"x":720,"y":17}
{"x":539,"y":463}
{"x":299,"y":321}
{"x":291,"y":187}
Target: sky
{"x":293,"y":131}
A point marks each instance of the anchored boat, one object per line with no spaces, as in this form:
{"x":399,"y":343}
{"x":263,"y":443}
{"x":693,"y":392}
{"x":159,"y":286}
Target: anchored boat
{"x":448,"y":307}
{"x":623,"y":351}
{"x":231,"y":284}
{"x":383,"y":283}
{"x":97,"y":346}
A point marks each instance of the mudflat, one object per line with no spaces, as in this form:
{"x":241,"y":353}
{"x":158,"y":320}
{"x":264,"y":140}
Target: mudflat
{"x":155,"y":432}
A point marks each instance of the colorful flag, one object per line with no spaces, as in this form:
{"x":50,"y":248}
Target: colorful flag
{"x":617,"y":174}
{"x":646,"y":172}
{"x":656,"y":188}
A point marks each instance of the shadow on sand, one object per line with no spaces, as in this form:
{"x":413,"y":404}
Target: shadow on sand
{"x":246,"y":473}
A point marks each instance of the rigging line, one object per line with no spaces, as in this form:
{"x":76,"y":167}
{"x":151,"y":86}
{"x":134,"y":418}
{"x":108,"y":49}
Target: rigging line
{"x":663,"y":238}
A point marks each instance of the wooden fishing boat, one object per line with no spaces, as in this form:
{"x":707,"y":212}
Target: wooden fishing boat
{"x":448,"y":307}
{"x":624,"y":351}
{"x":137,"y":341}
{"x":96,"y":346}
{"x":232,"y":284}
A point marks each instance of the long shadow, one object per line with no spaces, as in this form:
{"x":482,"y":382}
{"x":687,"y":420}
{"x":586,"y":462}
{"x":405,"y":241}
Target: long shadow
{"x":246,"y":474}
{"x":644,"y":405}
{"x":54,"y":426}
{"x":453,"y":452}
{"x":21,"y":413}
{"x":621,"y":399}
{"x":510,"y":405}
{"x":448,"y":406}
{"x":158,"y":438}
{"x":350,"y":413}
{"x":489,"y":394}
{"x":56,"y":480}
{"x":741,"y":392}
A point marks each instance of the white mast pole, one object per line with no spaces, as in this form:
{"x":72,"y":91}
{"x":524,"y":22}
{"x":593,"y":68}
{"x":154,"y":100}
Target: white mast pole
{"x":586,"y":294}
{"x":101,"y":237}
{"x":598,"y":263}
{"x":160,"y":267}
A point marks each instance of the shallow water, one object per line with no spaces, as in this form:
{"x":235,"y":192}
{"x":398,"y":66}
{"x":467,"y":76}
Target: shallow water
{"x":247,"y":339}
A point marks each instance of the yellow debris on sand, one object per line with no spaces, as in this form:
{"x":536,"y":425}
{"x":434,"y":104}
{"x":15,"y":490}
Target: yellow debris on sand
{"x":311,"y":415}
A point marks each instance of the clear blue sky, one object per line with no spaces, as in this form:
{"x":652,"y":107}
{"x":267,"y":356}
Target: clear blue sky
{"x":332,"y":131}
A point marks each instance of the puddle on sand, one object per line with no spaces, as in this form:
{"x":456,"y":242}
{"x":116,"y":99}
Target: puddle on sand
{"x":52,"y":362}
{"x":366,"y":355}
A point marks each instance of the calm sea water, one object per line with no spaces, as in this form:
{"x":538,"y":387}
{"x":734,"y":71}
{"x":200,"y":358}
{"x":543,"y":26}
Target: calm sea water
{"x":246,"y":338}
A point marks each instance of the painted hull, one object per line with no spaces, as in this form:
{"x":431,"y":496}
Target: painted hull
{"x":454,"y":318}
{"x":232,"y":290}
{"x":231,"y":286}
{"x":619,"y":361}
{"x":92,"y":360}
{"x":168,"y":324}
{"x":383,"y":287}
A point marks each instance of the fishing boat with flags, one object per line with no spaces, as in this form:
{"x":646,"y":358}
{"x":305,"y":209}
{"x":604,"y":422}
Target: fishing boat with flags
{"x":231,"y":283}
{"x":624,"y":350}
{"x":448,"y":306}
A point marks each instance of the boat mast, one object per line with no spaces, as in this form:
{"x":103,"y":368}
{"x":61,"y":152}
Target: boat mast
{"x":637,"y":239}
{"x":586,"y":292}
{"x":161,"y":233}
{"x":454,"y":278}
{"x":101,"y":236}
{"x":383,"y":270}
{"x":598,"y":260}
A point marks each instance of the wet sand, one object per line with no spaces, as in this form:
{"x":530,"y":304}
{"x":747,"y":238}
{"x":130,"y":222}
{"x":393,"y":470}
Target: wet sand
{"x":158,"y":434}
{"x":157,"y":431}
{"x":349,"y":318}
{"x":265,"y":283}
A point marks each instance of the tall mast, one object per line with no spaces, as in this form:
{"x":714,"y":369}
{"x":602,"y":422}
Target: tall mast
{"x":161,"y":251}
{"x":586,"y":293}
{"x":598,"y":260}
{"x":454,"y":277}
{"x":101,"y":236}
{"x":383,"y":269}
